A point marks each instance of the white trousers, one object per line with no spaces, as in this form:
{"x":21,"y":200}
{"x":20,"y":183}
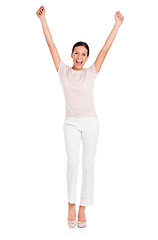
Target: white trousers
{"x":75,"y":130}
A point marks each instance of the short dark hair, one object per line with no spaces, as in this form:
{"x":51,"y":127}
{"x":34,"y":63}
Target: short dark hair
{"x":81,"y":44}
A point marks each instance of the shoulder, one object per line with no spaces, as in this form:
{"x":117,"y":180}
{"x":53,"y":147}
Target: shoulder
{"x":62,"y":66}
{"x":91,"y":70}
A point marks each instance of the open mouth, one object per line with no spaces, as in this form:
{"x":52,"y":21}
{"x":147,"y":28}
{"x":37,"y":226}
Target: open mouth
{"x":78,"y":62}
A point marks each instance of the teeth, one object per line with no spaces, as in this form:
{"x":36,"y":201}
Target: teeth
{"x":78,"y":61}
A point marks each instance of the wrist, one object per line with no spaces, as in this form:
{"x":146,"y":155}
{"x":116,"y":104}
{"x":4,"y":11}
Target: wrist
{"x":43,"y":18}
{"x":117,"y":25}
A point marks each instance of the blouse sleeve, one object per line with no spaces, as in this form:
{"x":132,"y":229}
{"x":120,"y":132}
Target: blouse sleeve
{"x":92,"y":71}
{"x":62,"y":68}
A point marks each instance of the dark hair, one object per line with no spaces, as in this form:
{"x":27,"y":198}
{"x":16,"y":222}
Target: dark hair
{"x":81,"y":44}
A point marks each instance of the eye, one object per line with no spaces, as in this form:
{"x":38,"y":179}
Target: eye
{"x":76,"y":53}
{"x":84,"y":54}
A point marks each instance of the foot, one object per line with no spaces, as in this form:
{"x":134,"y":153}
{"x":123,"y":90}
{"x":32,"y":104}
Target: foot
{"x":81,"y":214}
{"x":71,"y":212}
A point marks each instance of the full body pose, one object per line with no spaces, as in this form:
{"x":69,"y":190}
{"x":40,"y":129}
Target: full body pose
{"x":81,"y":121}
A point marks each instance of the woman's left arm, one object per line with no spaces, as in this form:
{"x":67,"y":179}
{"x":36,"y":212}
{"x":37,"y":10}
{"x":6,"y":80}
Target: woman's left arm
{"x":102,"y":54}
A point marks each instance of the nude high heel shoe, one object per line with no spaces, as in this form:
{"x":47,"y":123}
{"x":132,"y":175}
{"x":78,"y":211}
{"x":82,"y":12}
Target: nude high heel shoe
{"x":81,"y":224}
{"x":72,"y":223}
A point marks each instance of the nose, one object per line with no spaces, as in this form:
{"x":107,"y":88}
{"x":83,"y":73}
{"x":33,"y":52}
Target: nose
{"x":79,"y":58}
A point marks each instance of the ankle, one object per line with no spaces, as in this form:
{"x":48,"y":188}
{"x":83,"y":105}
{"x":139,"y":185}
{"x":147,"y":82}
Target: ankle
{"x":81,"y":208}
{"x":71,"y":206}
{"x":71,"y":212}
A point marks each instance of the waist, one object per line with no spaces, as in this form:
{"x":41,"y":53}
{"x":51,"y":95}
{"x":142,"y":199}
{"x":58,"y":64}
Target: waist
{"x":79,"y":118}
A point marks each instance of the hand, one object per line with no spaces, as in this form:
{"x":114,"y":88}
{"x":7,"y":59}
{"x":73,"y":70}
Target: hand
{"x":119,"y":18}
{"x":41,"y":12}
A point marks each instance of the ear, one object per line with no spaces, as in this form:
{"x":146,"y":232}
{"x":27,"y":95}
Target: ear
{"x":71,"y":55}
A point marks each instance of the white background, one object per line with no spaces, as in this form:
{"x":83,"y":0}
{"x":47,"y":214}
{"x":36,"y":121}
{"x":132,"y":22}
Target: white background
{"x":33,"y":194}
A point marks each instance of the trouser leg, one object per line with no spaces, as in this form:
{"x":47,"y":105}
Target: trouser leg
{"x":72,"y":137}
{"x":90,"y":134}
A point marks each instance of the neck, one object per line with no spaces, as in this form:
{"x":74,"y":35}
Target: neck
{"x":76,"y":69}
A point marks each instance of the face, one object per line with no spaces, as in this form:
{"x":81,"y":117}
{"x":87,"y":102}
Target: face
{"x":79,"y":57}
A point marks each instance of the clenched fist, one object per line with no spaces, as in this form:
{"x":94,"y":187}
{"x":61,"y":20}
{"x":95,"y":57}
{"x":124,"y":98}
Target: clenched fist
{"x":41,"y":12}
{"x":119,"y":18}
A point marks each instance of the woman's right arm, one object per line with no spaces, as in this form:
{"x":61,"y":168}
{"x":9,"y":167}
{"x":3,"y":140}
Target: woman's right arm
{"x":53,"y":50}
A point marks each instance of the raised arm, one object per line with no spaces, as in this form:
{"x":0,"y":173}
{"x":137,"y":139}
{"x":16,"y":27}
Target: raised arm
{"x":102,"y":54}
{"x":53,"y":50}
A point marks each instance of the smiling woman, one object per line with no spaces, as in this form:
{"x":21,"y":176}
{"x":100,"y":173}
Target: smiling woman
{"x":80,"y":54}
{"x":81,"y":121}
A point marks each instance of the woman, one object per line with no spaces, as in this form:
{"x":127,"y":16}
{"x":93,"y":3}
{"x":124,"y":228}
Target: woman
{"x":81,"y":121}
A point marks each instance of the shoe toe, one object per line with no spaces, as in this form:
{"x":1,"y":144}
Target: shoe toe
{"x":72,"y":224}
{"x":81,"y":224}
